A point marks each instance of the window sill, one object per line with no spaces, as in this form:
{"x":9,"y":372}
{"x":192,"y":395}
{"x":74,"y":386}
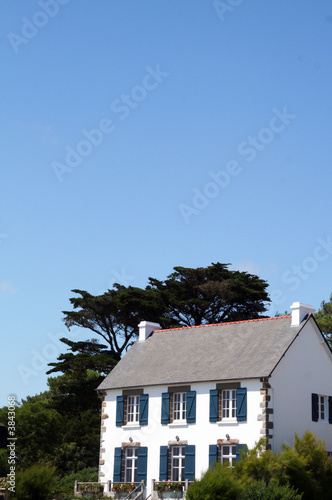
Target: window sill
{"x":178,"y":423}
{"x":227,"y":422}
{"x":132,"y":425}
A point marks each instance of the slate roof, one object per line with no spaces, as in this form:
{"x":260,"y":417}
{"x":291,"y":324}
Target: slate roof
{"x":225,"y":351}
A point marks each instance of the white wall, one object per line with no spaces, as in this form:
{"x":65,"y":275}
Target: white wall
{"x":201,"y":434}
{"x":305,"y":369}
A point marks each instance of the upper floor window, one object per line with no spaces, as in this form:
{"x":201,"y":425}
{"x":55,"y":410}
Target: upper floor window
{"x":321,"y":408}
{"x":228,"y":402}
{"x":179,"y":406}
{"x":133,"y":409}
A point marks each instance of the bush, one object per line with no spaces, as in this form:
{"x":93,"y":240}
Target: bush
{"x":218,"y":483}
{"x":259,"y":490}
{"x":65,"y":485}
{"x":307,"y":467}
{"x":35,"y":483}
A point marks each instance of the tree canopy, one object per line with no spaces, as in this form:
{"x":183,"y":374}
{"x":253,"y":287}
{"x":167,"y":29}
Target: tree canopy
{"x":187,"y":297}
{"x":214,"y":294}
{"x":324,"y":319}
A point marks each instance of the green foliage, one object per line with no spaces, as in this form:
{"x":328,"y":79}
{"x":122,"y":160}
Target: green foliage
{"x":258,"y":464}
{"x":213,"y":294}
{"x":4,"y":466}
{"x":113,"y":316}
{"x":35,"y":483}
{"x":307,"y":467}
{"x":39,"y":427}
{"x":324,"y":319}
{"x":65,"y":485}
{"x":260,"y":490}
{"x":219,"y":483}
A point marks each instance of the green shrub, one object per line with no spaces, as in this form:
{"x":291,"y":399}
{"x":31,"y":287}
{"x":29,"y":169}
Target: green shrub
{"x":65,"y":485}
{"x":259,"y":490}
{"x":35,"y":483}
{"x":219,"y":483}
{"x":307,"y":467}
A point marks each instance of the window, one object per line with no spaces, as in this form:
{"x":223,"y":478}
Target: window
{"x":132,"y":409}
{"x":129,"y":467}
{"x":227,"y":401}
{"x":321,"y":408}
{"x":177,"y":463}
{"x":179,"y":406}
{"x":130,"y":464}
{"x":227,"y":454}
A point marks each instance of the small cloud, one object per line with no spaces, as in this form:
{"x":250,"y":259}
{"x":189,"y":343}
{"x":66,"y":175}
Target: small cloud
{"x":6,"y":287}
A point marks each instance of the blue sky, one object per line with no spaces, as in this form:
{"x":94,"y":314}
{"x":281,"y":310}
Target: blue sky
{"x":139,"y":136}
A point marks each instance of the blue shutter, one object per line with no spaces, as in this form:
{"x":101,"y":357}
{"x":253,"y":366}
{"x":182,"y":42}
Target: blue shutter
{"x":330,"y":409}
{"x":165,"y":408}
{"x":191,"y":407}
{"x":143,"y":409}
{"x":117,"y":465}
{"x":213,"y":454}
{"x":214,"y":395}
{"x":189,"y":463}
{"x":163,"y":463}
{"x":241,"y":404}
{"x":314,"y":407}
{"x":142,"y":463}
{"x":240,"y":447}
{"x":119,"y":410}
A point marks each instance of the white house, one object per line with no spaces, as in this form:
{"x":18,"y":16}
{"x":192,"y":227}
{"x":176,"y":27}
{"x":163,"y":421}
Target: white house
{"x":182,"y":398}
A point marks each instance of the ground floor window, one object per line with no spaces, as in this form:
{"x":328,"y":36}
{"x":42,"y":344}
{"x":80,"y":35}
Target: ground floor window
{"x":227,"y":454}
{"x":177,"y":463}
{"x":129,"y":465}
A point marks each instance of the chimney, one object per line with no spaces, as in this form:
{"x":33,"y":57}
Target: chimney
{"x":146,"y":328}
{"x":299,"y":311}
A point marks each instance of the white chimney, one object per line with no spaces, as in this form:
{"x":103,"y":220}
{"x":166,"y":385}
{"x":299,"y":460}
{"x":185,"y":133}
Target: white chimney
{"x":299,"y":311}
{"x":146,"y":328}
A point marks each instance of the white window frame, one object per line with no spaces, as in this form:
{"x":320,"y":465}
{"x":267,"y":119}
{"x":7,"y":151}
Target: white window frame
{"x":229,"y":457}
{"x":323,"y":410}
{"x":133,"y":405}
{"x":130,"y":465}
{"x":177,"y":471}
{"x":179,"y":407}
{"x":228,"y":404}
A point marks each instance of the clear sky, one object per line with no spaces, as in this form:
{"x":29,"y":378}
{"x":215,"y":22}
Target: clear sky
{"x":139,"y":136}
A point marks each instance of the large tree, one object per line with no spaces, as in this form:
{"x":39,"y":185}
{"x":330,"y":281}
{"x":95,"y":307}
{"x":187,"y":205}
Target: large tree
{"x":324,"y":319}
{"x":115,"y":315}
{"x":213,"y":294}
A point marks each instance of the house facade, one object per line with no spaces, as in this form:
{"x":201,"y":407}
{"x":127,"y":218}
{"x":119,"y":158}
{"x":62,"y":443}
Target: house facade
{"x":183,"y":398}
